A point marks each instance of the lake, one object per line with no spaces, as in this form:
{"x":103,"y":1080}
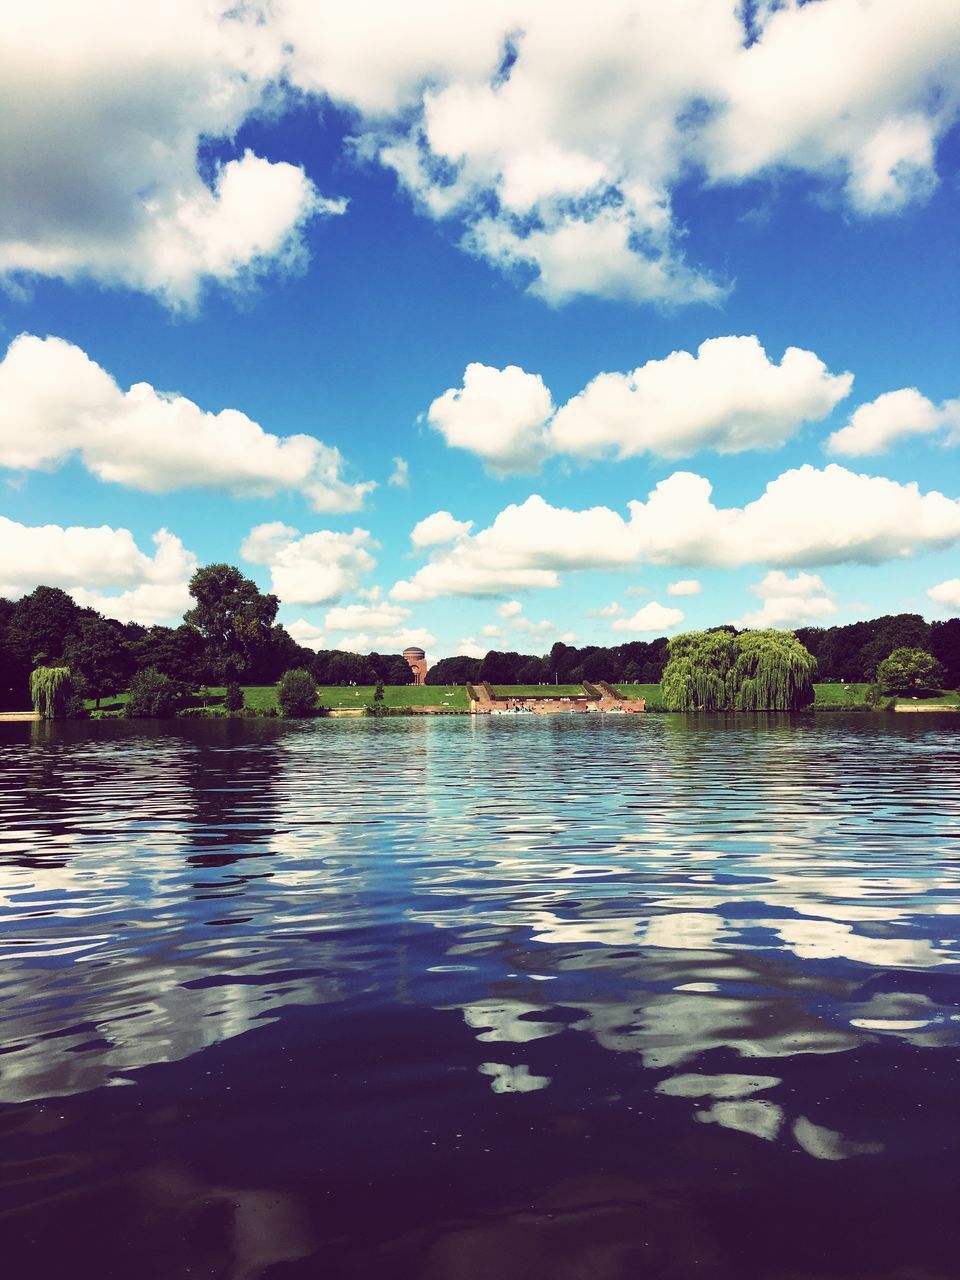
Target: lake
{"x":569,"y":998}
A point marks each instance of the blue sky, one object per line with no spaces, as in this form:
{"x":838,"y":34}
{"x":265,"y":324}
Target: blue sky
{"x":425,"y":240}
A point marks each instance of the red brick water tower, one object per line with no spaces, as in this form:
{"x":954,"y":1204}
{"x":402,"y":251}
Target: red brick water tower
{"x":417,"y":662}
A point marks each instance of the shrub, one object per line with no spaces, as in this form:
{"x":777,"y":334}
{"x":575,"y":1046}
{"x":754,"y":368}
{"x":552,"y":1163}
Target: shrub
{"x":153,"y":696}
{"x":297,"y":693}
{"x":909,"y":671}
{"x":234,"y":699}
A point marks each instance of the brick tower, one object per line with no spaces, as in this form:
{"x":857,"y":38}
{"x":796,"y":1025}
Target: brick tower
{"x":417,"y":661}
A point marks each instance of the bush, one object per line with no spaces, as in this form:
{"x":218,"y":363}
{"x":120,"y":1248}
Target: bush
{"x":154,"y":696}
{"x":912,"y":671}
{"x":234,"y":699}
{"x":297,"y":693}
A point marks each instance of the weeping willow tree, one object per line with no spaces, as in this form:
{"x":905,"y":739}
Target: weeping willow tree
{"x":51,"y":689}
{"x":753,"y":671}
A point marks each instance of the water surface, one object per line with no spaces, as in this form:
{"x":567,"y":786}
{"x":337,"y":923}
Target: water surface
{"x":458,"y":999}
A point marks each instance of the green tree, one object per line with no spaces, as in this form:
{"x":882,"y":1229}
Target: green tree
{"x":40,"y":624}
{"x":297,"y":693}
{"x":52,"y":691}
{"x":154,"y":696}
{"x":752,"y":671}
{"x":233,"y":616}
{"x":99,"y":657}
{"x":378,"y":692}
{"x":234,"y":698}
{"x":177,"y":652}
{"x":909,"y":671}
{"x":14,"y":672}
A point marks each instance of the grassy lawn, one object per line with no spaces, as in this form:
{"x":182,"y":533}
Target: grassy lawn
{"x":827,"y":697}
{"x":839,"y":697}
{"x":396,"y":695}
{"x":651,"y":692}
{"x":264,"y":696}
{"x":941,"y":699}
{"x":539,"y":690}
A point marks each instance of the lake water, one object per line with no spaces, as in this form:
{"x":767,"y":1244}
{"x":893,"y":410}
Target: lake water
{"x":573,"y":998}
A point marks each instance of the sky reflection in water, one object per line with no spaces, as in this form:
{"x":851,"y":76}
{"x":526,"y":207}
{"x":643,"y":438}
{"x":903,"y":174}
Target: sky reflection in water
{"x":585,"y":931}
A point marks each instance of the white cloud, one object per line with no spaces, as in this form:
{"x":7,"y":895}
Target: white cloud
{"x":400,"y":476}
{"x":894,"y":416}
{"x":651,"y":617}
{"x":387,"y":642}
{"x":370,"y":594}
{"x":510,"y":609}
{"x":684,"y":587}
{"x":947,"y":593}
{"x":790,"y":602}
{"x":469,"y":648}
{"x":360,"y":617}
{"x":437,"y":528}
{"x":804,"y":516}
{"x":561,"y":161}
{"x":305,"y":633}
{"x":87,"y":562}
{"x":55,"y":402}
{"x":315,"y":568}
{"x":498,"y":414}
{"x":557,"y":146}
{"x":612,"y":610}
{"x":729,"y":397}
{"x":150,"y":604}
{"x":104,"y":124}
{"x":491,"y":631}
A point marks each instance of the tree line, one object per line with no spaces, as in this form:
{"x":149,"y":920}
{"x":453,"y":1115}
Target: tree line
{"x":229,"y":636}
{"x":851,"y":654}
{"x":636,"y":662}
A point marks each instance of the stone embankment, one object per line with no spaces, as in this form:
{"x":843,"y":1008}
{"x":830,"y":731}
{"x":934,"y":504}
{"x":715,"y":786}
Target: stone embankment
{"x":600,"y":697}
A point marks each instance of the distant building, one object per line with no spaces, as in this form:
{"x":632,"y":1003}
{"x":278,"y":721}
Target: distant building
{"x":417,"y":661}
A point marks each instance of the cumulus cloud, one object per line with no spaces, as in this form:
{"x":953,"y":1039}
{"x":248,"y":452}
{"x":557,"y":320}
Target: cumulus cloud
{"x":400,"y":476}
{"x":510,"y":609}
{"x":611,"y":610}
{"x":387,"y":641}
{"x":498,"y":414}
{"x":790,"y":602}
{"x":804,"y":517}
{"x":313,"y":568}
{"x":729,"y":397}
{"x":362,"y":617}
{"x":307,"y":634}
{"x":437,"y":528}
{"x":57,"y":403}
{"x":88,"y":562}
{"x":468,"y":647}
{"x":106,"y":122}
{"x":557,"y":145}
{"x":685,"y":587}
{"x":651,"y":617}
{"x":947,"y":593}
{"x":894,"y":416}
